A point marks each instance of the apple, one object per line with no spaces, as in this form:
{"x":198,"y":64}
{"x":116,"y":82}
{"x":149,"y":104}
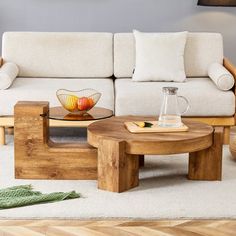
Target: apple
{"x":71,"y":103}
{"x":91,"y":102}
{"x":83,"y":104}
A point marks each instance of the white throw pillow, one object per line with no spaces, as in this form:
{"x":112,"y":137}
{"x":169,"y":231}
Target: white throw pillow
{"x":160,"y":56}
{"x":8,"y":73}
{"x":223,"y":79}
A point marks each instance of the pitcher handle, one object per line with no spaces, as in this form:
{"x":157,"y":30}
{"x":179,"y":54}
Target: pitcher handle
{"x":187,"y":104}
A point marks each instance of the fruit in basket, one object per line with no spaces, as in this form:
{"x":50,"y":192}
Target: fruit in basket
{"x":83,"y":104}
{"x":91,"y":102}
{"x":71,"y":103}
{"x":78,"y":102}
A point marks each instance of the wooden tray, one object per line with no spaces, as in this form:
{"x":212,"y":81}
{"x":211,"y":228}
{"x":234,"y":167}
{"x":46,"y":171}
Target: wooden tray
{"x":133,"y":128}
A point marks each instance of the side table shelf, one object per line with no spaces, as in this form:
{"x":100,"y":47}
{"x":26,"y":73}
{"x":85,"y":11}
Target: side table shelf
{"x":38,"y":157}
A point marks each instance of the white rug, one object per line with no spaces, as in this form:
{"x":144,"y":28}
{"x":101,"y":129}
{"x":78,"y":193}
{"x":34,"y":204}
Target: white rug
{"x":164,"y":193}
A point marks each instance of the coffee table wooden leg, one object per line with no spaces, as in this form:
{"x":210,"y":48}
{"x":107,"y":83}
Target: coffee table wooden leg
{"x":117,"y":171}
{"x":207,"y":164}
{"x":141,"y":161}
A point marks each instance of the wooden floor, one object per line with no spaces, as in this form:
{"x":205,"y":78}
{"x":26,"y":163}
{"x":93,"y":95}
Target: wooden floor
{"x":117,"y":228}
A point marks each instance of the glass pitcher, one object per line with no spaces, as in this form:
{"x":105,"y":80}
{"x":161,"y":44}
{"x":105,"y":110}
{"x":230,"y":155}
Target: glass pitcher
{"x":170,"y":115}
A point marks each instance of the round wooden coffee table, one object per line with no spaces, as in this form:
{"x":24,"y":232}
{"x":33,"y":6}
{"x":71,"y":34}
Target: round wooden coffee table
{"x":119,"y":150}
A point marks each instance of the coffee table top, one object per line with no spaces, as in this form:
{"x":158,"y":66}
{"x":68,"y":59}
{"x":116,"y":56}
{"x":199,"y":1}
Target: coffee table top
{"x":198,"y":137}
{"x":97,"y":113}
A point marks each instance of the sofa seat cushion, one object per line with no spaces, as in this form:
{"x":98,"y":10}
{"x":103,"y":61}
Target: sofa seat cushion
{"x":44,"y":89}
{"x":145,"y":98}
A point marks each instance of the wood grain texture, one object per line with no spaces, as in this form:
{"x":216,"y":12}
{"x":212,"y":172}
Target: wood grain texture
{"x":9,"y":130}
{"x":8,"y":121}
{"x":226,"y":137}
{"x":213,"y":121}
{"x":207,"y":164}
{"x":232,"y":69}
{"x":119,"y":151}
{"x":117,"y":171}
{"x":198,"y":137}
{"x":37,"y":157}
{"x":141,"y":161}
{"x":2,"y":135}
{"x":134,"y":128}
{"x":232,"y":148}
{"x":232,"y":145}
{"x":117,"y":228}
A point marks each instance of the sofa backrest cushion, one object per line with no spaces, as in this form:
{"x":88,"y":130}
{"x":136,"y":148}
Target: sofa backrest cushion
{"x":48,"y":54}
{"x":202,"y":49}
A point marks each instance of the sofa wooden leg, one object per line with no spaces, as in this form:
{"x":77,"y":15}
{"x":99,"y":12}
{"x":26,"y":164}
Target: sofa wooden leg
{"x":9,"y":130}
{"x":141,"y":161}
{"x":226,"y":135}
{"x":2,"y":136}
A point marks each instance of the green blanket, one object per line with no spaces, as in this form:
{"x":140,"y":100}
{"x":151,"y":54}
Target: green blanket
{"x":24,"y":195}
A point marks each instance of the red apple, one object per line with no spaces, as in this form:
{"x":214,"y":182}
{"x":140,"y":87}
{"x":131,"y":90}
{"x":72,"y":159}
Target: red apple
{"x":83,"y":104}
{"x":91,"y":102}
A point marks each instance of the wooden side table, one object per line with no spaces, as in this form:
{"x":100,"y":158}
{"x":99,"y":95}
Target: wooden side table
{"x":119,"y":151}
{"x":38,"y":157}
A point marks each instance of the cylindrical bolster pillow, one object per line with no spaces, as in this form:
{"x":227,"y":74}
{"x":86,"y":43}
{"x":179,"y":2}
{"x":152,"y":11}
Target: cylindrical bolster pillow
{"x":223,"y":79}
{"x":8,"y":73}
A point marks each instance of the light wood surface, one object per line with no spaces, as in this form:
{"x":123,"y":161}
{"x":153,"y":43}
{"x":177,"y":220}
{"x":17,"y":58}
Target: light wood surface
{"x":226,"y":135}
{"x":117,"y":228}
{"x":232,"y":145}
{"x":9,"y":130}
{"x":198,"y":137}
{"x":117,"y":171}
{"x":119,"y":150}
{"x":232,"y":148}
{"x":134,"y":128}
{"x":213,"y":121}
{"x":37,"y":157}
{"x":207,"y":164}
{"x":2,"y":136}
{"x":8,"y":121}
{"x":230,"y":67}
{"x":141,"y":161}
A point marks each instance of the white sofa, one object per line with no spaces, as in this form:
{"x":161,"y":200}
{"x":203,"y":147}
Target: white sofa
{"x":50,"y":61}
{"x":140,"y":98}
{"x":105,"y":62}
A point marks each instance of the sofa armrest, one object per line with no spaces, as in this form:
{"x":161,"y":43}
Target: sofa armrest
{"x":8,"y":73}
{"x":231,"y":68}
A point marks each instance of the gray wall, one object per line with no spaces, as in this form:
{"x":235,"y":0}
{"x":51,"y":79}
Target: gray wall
{"x":118,"y":16}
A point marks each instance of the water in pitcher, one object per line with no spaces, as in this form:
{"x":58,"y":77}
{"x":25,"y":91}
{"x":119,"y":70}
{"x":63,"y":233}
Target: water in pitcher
{"x":173,"y":121}
{"x":170,"y":114}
